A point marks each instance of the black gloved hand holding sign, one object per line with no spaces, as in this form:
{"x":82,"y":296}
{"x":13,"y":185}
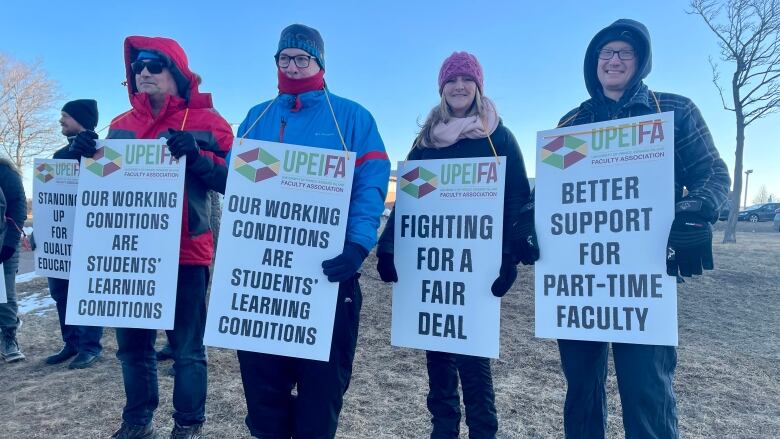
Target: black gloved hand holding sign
{"x":689,"y":248}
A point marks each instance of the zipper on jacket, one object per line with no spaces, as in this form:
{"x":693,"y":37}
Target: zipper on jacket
{"x":282,"y":125}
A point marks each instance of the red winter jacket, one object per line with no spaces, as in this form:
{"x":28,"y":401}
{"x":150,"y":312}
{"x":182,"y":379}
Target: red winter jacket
{"x":193,"y":112}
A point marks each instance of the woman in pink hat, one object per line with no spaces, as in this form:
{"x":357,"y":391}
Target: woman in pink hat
{"x":466,"y":124}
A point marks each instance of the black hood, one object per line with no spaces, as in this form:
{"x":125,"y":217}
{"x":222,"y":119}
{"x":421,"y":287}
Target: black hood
{"x":637,"y":35}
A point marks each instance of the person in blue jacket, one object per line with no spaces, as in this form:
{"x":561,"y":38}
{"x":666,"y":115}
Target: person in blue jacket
{"x":306,"y":113}
{"x":618,"y":58}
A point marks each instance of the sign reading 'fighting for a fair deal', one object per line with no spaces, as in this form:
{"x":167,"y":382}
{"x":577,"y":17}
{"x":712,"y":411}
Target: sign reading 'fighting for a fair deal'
{"x":448,"y":234}
{"x":604,"y":207}
{"x":127,"y":229}
{"x":285,"y":212}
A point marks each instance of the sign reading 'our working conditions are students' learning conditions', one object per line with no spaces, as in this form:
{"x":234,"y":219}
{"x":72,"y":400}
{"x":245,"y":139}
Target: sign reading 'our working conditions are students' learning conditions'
{"x":54,"y":205}
{"x":604,"y":207}
{"x":128,"y":226}
{"x":286,"y":209}
{"x":448,"y":234}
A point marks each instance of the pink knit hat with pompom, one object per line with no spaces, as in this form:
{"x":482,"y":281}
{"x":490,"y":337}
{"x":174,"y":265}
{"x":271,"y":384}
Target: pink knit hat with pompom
{"x":460,"y":64}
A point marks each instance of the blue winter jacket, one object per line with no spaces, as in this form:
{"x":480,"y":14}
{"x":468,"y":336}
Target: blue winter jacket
{"x":313,"y":125}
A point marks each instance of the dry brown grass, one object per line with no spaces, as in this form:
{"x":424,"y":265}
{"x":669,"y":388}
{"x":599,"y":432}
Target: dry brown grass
{"x":728,"y":375}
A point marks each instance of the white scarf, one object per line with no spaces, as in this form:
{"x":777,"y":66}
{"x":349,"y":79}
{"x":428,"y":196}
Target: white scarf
{"x":445,"y":134}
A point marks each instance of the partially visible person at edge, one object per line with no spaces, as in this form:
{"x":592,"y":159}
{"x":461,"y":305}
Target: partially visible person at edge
{"x":463,"y":124}
{"x":15,"y":215}
{"x":301,"y":115}
{"x":83,"y":342}
{"x":617,"y":60}
{"x":166,"y":102}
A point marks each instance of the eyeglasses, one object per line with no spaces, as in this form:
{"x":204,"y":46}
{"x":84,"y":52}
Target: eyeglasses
{"x":153,"y":66}
{"x":301,"y":61}
{"x":625,"y":55}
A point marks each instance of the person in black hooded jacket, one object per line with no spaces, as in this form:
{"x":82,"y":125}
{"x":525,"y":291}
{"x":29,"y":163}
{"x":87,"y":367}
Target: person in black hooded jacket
{"x":466,"y":124}
{"x":15,"y":215}
{"x":617,"y":60}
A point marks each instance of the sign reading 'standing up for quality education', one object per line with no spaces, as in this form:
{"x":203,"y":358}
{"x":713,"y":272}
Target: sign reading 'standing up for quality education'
{"x":448,"y":233}
{"x":54,"y":206}
{"x":128,"y":226}
{"x":285,"y":211}
{"x":604,"y":207}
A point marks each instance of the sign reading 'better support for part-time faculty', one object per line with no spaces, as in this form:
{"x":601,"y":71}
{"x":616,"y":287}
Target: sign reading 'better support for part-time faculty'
{"x":127,"y":230}
{"x":448,"y":234}
{"x":54,"y":206}
{"x":604,"y":207}
{"x":285,"y":212}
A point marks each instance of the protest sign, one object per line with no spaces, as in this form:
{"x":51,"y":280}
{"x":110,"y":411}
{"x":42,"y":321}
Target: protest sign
{"x":285,"y":212}
{"x":448,"y":234}
{"x":604,"y":207}
{"x":127,"y":230}
{"x":54,"y":205}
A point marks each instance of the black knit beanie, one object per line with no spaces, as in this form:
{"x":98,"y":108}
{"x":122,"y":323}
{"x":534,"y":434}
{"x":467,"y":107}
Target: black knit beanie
{"x":84,"y":111}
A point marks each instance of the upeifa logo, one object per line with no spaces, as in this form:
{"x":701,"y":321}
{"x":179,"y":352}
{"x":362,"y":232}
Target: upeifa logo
{"x":419,"y":182}
{"x":106,"y":161}
{"x":44,"y":172}
{"x":564,"y":151}
{"x":256,"y":165}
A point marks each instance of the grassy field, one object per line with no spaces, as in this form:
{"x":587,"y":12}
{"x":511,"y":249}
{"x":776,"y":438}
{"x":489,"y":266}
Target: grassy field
{"x":727,"y":382}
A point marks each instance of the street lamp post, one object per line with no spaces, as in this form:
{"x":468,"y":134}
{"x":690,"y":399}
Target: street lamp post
{"x":747,"y":177}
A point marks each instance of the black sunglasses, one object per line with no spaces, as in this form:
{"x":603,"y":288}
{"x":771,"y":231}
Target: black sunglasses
{"x":153,"y":66}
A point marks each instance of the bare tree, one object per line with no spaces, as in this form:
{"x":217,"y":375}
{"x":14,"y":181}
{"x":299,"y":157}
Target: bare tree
{"x":762,"y":196}
{"x":28,"y":126}
{"x":748,"y":33}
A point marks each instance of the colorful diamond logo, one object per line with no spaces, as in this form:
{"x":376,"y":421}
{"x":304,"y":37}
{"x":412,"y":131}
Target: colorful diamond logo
{"x":419,"y":182}
{"x":256,"y":165}
{"x":106,"y":161}
{"x":44,"y":172}
{"x":564,"y":151}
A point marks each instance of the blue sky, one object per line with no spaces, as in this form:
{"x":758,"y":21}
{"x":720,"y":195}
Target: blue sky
{"x":386,"y":56}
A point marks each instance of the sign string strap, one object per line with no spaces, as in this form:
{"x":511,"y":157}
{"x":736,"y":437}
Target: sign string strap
{"x":184,"y":121}
{"x":490,"y":141}
{"x":338,"y":128}
{"x":265,"y":110}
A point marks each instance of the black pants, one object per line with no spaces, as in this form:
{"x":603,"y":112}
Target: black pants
{"x":444,"y":401}
{"x":139,"y":361}
{"x":84,"y":339}
{"x":272,"y":411}
{"x":645,"y":374}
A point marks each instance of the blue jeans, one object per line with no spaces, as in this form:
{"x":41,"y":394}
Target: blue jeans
{"x":139,"y":363}
{"x":443,"y":400}
{"x":8,"y":310}
{"x":644,"y":375}
{"x":85,"y":339}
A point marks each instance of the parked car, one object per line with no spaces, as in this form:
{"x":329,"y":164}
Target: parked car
{"x":777,"y":220}
{"x":758,"y":212}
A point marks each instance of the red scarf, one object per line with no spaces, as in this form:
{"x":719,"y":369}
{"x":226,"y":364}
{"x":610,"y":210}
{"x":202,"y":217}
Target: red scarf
{"x":295,"y":87}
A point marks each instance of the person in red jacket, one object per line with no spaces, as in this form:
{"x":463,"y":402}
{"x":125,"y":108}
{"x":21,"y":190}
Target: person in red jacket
{"x":166,"y":103}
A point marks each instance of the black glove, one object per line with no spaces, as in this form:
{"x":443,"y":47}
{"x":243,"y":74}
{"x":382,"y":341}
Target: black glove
{"x":182,"y":143}
{"x":689,"y":248}
{"x":33,"y":244}
{"x":6,"y":253}
{"x":345,"y":265}
{"x":386,"y":267}
{"x":524,"y":242}
{"x":84,"y":144}
{"x":506,"y":276}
